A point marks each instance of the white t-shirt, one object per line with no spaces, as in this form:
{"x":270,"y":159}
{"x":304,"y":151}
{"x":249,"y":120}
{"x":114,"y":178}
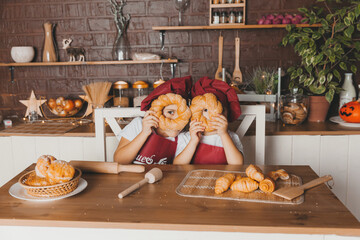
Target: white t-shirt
{"x":134,"y":128}
{"x":215,"y":140}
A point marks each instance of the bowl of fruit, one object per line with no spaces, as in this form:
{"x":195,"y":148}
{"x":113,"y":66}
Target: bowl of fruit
{"x":64,"y":107}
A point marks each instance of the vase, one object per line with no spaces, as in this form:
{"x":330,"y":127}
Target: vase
{"x":49,"y":49}
{"x":319,"y":108}
{"x":121,"y":48}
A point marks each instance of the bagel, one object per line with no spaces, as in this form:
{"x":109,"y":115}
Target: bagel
{"x":207,"y":102}
{"x":183,"y":111}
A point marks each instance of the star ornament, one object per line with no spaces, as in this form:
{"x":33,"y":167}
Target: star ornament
{"x":33,"y":104}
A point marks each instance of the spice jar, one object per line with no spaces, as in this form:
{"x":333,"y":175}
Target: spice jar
{"x":216,"y":1}
{"x":222,"y":1}
{"x":294,"y":108}
{"x":141,"y":91}
{"x":239,"y":17}
{"x":230,"y":1}
{"x":121,"y":94}
{"x":237,"y":1}
{"x":223,"y":18}
{"x":232,"y":17}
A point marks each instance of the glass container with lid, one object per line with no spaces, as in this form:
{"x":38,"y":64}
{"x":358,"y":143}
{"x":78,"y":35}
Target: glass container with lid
{"x":294,"y":108}
{"x":121,"y":94}
{"x":158,"y":83}
{"x":141,"y":91}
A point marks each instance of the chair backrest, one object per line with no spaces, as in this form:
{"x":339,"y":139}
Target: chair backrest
{"x":110,"y":115}
{"x":249,"y":113}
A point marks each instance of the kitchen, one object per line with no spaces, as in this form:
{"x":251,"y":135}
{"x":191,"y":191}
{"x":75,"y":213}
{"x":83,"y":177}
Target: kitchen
{"x":90,"y":24}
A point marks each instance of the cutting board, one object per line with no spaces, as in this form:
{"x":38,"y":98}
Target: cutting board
{"x":201,"y":184}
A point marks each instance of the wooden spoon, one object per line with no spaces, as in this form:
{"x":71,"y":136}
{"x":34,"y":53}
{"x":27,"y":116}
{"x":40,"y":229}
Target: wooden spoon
{"x":219,"y":70}
{"x":237,"y":75}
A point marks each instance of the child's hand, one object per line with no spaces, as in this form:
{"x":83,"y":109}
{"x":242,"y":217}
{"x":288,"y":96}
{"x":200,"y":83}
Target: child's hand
{"x":149,"y":121}
{"x":195,"y":130}
{"x":220,"y":124}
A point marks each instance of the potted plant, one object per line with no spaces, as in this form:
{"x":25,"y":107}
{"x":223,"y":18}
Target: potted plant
{"x":325,"y":51}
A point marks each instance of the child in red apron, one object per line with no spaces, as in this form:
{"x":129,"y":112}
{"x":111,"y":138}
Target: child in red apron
{"x":216,"y":145}
{"x":152,"y":139}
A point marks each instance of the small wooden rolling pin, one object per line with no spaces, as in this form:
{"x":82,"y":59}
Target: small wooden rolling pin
{"x":106,"y":167}
{"x":151,"y":176}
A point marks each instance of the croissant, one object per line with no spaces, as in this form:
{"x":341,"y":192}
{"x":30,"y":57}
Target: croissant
{"x":238,"y":177}
{"x":59,"y":172}
{"x":267,"y":185}
{"x":204,"y":107}
{"x":254,"y":172}
{"x":281,"y":173}
{"x":223,"y":183}
{"x":245,"y":185}
{"x":183,"y":111}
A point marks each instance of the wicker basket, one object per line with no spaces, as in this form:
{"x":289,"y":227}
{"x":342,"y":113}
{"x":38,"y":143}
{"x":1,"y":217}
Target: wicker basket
{"x":52,"y":190}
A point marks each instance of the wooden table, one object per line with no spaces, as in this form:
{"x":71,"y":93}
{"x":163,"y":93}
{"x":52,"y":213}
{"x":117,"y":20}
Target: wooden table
{"x":158,"y":207}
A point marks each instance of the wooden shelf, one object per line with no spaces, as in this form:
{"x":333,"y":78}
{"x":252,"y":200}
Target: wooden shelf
{"x":228,"y":5}
{"x":223,"y":26}
{"x":36,"y":64}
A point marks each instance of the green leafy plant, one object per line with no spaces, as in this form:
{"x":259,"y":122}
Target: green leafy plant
{"x":325,"y":50}
{"x":265,"y":80}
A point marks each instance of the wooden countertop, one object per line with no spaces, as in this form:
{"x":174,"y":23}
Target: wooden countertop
{"x":157,"y":206}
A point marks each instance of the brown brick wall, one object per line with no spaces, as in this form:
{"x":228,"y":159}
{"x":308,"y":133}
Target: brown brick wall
{"x":89,"y":23}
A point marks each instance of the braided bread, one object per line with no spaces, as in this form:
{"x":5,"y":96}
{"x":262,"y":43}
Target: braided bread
{"x":183,"y":111}
{"x":205,"y":103}
{"x":223,"y":183}
{"x":60,"y":171}
{"x":245,"y":185}
{"x":42,"y":165}
{"x":267,"y":185}
{"x":254,"y":172}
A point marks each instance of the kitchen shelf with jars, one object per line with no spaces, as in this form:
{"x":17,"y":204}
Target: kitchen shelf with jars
{"x":227,"y":12}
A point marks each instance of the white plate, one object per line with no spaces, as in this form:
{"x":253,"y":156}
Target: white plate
{"x":337,"y":119}
{"x":17,"y":191}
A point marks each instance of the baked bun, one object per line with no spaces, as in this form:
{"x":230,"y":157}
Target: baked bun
{"x":183,"y":111}
{"x":205,"y":103}
{"x":36,"y":181}
{"x":223,"y":183}
{"x":254,"y":172}
{"x":245,"y":185}
{"x":42,"y":165}
{"x":281,"y":173}
{"x":267,"y":185}
{"x":60,"y":171}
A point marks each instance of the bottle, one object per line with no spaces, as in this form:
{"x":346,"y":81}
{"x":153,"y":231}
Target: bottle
{"x":348,"y":94}
{"x":239,"y":17}
{"x":223,"y":18}
{"x":232,"y":17}
{"x":216,"y":18}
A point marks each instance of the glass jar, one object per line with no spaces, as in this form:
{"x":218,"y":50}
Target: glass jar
{"x":216,"y":18}
{"x":230,"y":1}
{"x":222,"y":1}
{"x":223,"y":17}
{"x":121,"y":94}
{"x":141,"y":91}
{"x":232,"y":17}
{"x":294,"y":108}
{"x":239,"y":17}
{"x":216,"y":1}
{"x":237,"y":1}
{"x":158,"y":83}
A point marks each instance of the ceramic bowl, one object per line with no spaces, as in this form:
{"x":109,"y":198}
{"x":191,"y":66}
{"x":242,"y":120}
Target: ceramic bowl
{"x":22,"y":54}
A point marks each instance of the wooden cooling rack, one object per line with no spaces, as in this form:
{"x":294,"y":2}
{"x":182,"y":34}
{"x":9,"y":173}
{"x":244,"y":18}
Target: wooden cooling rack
{"x":38,"y":128}
{"x":201,"y":184}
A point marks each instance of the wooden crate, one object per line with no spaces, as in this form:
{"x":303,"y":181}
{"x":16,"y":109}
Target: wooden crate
{"x":237,"y":6}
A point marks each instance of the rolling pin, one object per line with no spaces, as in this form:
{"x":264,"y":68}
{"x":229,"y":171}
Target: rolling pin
{"x":151,"y":176}
{"x":106,"y":167}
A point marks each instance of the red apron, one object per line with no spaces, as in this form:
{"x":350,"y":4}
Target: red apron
{"x":157,"y":150}
{"x":208,"y":154}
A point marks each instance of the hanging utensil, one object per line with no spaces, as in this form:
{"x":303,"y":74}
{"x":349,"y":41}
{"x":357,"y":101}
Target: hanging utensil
{"x":237,"y":75}
{"x":219,"y":70}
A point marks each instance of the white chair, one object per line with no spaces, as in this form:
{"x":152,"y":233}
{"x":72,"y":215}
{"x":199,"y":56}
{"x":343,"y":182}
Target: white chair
{"x":249,"y":113}
{"x":109,"y":114}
